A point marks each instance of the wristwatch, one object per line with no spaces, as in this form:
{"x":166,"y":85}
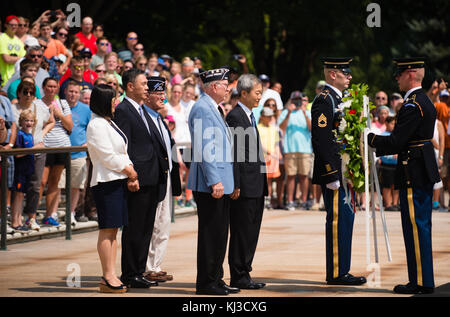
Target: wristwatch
{"x":11,"y":145}
{"x":441,"y":157}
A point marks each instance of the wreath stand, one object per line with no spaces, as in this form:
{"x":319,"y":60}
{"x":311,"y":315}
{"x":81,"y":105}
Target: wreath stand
{"x":370,"y":188}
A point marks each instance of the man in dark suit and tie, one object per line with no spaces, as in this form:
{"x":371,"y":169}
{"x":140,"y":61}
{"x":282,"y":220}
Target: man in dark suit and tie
{"x":147,"y":154}
{"x":250,"y":181}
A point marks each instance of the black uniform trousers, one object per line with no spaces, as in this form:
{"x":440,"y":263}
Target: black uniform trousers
{"x":213,"y":222}
{"x":137,"y":234}
{"x":416,"y":210}
{"x":245,"y":223}
{"x":339,"y":232}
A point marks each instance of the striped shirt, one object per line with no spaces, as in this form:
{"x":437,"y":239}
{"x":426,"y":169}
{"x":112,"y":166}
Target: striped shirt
{"x":58,"y":136}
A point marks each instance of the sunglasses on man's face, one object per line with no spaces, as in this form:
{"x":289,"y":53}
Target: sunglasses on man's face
{"x":77,"y":67}
{"x":35,"y":55}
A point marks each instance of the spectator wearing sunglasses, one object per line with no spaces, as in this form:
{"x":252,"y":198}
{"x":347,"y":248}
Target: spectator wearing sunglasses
{"x":34,"y":53}
{"x":76,"y":74}
{"x":126,"y":53}
{"x":52,"y":47}
{"x":61,"y":34}
{"x":102,"y":50}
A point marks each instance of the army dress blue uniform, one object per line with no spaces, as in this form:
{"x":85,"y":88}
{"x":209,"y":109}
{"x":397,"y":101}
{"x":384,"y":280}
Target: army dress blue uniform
{"x":327,"y":169}
{"x":415,"y":175}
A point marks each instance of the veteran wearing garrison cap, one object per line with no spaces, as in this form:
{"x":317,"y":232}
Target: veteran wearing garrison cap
{"x":327,"y":172}
{"x":211,"y":181}
{"x":416,"y":172}
{"x":171,"y":187}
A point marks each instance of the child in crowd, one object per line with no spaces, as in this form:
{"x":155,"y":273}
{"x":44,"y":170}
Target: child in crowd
{"x":24,"y":168}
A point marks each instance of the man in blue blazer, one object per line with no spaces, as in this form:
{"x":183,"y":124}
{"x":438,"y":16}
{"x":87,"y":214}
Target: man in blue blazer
{"x":211,"y":180}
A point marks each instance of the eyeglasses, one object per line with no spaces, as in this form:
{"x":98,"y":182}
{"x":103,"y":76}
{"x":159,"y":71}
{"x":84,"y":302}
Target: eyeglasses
{"x":103,"y":43}
{"x":28,"y":93}
{"x":100,"y":70}
{"x":23,"y":25}
{"x":13,"y":25}
{"x":142,"y":64}
{"x":379,"y":97}
{"x":35,"y":55}
{"x":225,"y":85}
{"x":78,"y":67}
{"x":139,"y":49}
{"x":132,"y":38}
{"x":62,"y":34}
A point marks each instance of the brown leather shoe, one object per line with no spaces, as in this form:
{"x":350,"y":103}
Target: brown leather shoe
{"x":158,"y":276}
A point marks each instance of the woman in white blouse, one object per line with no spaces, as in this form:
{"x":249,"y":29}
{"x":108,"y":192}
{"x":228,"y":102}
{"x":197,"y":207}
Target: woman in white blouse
{"x":112,"y":173}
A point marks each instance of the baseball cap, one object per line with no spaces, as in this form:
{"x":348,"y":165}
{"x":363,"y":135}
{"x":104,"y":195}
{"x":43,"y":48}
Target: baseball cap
{"x":444,"y":93}
{"x":264,"y":77}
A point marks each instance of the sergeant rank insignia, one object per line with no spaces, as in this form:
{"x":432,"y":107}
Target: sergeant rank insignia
{"x":322,"y":121}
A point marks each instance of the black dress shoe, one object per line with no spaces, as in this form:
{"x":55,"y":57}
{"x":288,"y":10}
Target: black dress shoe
{"x":139,"y":282}
{"x":230,"y":289}
{"x":413,"y":289}
{"x":213,"y":290}
{"x":348,"y":279}
{"x":249,"y":285}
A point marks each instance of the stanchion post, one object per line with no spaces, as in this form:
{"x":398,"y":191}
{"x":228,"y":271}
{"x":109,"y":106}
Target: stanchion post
{"x":68,"y":198}
{"x":4,"y":185}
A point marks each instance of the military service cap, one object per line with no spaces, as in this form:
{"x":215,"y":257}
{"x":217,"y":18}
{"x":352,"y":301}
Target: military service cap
{"x":156,"y":83}
{"x":341,"y":63}
{"x":408,"y":63}
{"x":214,"y":74}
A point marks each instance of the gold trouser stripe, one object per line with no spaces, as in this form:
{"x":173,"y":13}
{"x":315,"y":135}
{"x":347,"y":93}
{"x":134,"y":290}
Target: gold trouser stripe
{"x":416,"y":237}
{"x":335,"y":234}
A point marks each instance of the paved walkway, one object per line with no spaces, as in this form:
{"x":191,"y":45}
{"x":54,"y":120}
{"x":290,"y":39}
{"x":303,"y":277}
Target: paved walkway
{"x":290,"y":258}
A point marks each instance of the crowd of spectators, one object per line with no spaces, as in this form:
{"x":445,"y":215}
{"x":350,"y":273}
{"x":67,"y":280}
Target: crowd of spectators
{"x":49,"y":70}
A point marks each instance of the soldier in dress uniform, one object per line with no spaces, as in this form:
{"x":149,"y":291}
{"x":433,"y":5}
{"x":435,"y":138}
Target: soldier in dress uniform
{"x":327,"y":172}
{"x":416,"y":172}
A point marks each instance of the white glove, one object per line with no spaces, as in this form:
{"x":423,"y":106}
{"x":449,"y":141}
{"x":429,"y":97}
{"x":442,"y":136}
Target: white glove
{"x":334,"y":185}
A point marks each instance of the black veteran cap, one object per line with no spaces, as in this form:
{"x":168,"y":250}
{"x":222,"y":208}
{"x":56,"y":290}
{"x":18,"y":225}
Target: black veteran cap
{"x":341,"y":63}
{"x":408,"y":63}
{"x":156,"y":83}
{"x":214,"y":74}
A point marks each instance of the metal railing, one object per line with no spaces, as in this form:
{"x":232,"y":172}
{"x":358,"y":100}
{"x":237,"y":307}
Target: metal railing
{"x":4,"y":164}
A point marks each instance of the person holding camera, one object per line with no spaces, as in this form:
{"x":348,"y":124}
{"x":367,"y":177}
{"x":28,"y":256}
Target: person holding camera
{"x":295,"y":122}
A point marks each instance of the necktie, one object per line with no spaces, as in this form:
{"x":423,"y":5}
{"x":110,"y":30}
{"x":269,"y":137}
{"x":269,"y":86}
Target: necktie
{"x":253,"y":122}
{"x":141,"y":112}
{"x":166,"y":138}
{"x":221,"y":112}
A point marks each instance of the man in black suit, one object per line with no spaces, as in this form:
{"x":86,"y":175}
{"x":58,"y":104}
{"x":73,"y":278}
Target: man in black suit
{"x":250,"y":181}
{"x":146,"y":152}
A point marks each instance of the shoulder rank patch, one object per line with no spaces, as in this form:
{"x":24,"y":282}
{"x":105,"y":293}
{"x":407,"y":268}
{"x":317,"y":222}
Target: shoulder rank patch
{"x":322,"y":121}
{"x":325,"y":93}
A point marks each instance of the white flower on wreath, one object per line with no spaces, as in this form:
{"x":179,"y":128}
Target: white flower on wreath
{"x":346,"y":104}
{"x":342,"y":126}
{"x":345,"y":160}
